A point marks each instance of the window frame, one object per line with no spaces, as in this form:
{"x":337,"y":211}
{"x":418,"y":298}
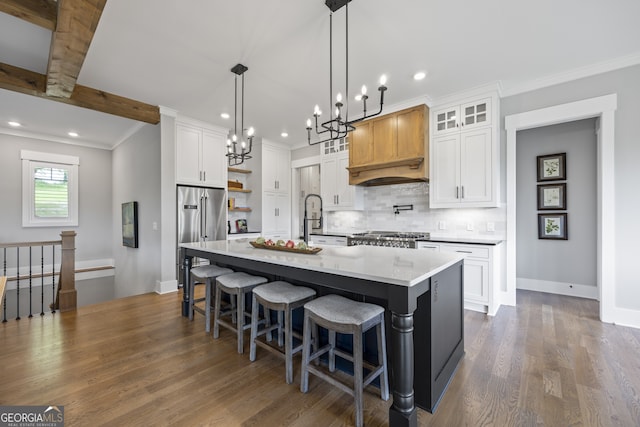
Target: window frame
{"x":32,"y":160}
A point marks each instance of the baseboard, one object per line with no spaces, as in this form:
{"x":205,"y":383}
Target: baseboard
{"x":474,"y":306}
{"x":626,"y":317}
{"x":166,"y":287}
{"x":560,"y":288}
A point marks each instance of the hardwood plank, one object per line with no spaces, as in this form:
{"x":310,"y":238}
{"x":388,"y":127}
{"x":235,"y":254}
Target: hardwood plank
{"x":42,"y":13}
{"x":30,"y":83}
{"x":137,"y":361}
{"x":77,"y":23}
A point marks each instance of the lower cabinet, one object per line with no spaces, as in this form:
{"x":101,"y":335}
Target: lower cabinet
{"x":322,"y":240}
{"x":275,"y":216}
{"x":481,"y":273}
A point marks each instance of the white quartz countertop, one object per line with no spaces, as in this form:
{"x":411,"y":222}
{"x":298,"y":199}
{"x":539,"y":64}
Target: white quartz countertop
{"x":405,"y":267}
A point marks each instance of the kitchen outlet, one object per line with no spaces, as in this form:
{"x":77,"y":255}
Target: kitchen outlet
{"x":442,"y":225}
{"x":469,"y":226}
{"x":491,"y":226}
{"x":154,"y":225}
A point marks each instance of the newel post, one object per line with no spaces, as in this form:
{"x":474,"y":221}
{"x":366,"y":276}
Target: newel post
{"x":67,"y":294}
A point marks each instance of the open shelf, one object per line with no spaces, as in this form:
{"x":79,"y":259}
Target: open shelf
{"x":239,"y":190}
{"x":239,"y":209}
{"x":236,"y":170}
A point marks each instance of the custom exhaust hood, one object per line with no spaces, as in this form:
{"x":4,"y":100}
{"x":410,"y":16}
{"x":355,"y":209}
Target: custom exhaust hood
{"x":390,"y":149}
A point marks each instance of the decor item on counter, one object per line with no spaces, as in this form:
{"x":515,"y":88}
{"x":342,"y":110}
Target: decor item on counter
{"x":130,"y":224}
{"x":552,"y":167}
{"x":231,"y":203}
{"x":241,"y":225}
{"x":295,"y":248}
{"x":552,"y":196}
{"x":235,"y":157}
{"x":398,"y":208}
{"x":338,"y":126}
{"x":552,"y":226}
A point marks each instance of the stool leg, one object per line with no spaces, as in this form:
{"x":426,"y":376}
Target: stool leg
{"x":357,"y":374}
{"x":216,"y":313}
{"x":267,"y":323}
{"x":306,"y":348}
{"x":288,"y":349}
{"x":332,"y":353}
{"x":191,"y":294}
{"x":382,"y":360}
{"x":207,"y":312}
{"x":240,"y":319}
{"x":255,"y":308}
{"x":280,"y":329}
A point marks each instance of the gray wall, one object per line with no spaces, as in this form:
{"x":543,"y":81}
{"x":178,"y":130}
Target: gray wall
{"x":304,"y":152}
{"x":136,"y":177}
{"x":93,"y":240}
{"x":567,"y":261}
{"x":626,"y":84}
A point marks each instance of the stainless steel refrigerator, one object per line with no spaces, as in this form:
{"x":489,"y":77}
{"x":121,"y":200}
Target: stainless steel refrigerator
{"x":201,"y":217}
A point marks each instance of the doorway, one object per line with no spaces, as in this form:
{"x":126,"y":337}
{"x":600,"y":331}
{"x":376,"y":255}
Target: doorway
{"x":603,"y":109}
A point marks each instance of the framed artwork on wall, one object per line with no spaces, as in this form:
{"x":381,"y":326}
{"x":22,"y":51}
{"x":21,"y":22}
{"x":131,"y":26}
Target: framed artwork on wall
{"x":552,"y":167}
{"x":130,"y":224}
{"x":552,"y":226}
{"x":552,"y":196}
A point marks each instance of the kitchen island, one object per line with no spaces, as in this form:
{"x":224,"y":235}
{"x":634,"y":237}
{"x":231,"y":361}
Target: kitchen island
{"x":422,"y":292}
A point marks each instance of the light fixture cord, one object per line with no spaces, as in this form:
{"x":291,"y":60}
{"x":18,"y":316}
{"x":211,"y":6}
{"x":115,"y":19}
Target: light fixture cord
{"x":331,"y":69}
{"x":235,"y":110}
{"x":242,"y":109}
{"x":346,"y":97}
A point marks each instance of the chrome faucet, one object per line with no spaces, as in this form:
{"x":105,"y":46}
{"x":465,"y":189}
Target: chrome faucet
{"x":306,"y":219}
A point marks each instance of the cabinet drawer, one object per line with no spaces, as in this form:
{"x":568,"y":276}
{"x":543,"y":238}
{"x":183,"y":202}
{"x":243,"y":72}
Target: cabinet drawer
{"x":472,"y":251}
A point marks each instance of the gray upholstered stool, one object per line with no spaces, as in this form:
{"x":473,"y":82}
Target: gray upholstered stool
{"x":204,"y":274}
{"x":235,"y":285}
{"x":282,"y":297}
{"x":339,"y":314}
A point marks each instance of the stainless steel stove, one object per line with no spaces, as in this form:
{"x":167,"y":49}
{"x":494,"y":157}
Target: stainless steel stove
{"x":391,"y":239}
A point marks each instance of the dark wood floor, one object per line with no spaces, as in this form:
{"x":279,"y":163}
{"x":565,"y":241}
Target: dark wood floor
{"x":136,"y":361}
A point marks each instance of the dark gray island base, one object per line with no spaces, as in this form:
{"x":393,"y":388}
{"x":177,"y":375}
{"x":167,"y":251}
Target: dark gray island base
{"x":424,"y":305}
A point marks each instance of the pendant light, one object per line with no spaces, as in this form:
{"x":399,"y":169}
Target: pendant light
{"x":239,"y":145}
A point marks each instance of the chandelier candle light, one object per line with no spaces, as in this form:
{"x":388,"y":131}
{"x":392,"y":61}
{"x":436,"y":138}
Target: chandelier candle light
{"x":238,"y":157}
{"x":338,"y":126}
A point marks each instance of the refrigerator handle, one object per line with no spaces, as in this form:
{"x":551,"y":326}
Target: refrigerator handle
{"x":203,"y":226}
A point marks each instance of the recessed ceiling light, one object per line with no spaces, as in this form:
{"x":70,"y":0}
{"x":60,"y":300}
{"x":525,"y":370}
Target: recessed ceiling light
{"x":224,"y":115}
{"x":419,"y":75}
{"x":14,"y":124}
{"x":284,"y":134}
{"x":73,"y":134}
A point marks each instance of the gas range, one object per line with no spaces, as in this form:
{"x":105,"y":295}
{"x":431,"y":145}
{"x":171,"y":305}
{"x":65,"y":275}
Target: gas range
{"x":391,"y":239}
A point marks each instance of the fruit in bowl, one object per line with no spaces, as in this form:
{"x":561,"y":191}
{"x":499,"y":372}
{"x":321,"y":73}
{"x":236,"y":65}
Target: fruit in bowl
{"x":260,"y":240}
{"x":290,"y":244}
{"x":302,"y":245}
{"x":280,"y":242}
{"x":269,"y":243}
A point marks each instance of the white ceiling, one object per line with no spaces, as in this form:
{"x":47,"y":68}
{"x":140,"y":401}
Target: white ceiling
{"x":178,"y":54}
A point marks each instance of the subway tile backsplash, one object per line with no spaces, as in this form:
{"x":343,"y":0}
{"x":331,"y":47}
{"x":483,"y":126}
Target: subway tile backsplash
{"x":379,"y":215}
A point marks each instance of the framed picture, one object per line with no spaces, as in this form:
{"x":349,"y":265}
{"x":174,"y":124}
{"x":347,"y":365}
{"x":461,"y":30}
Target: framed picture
{"x":130,"y":224}
{"x":552,"y":167}
{"x":241,"y":225}
{"x":552,"y":226}
{"x":552,"y":196}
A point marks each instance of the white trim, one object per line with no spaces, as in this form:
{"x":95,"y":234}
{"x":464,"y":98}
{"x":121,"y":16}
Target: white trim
{"x":560,"y":288}
{"x":307,"y":161}
{"x":602,"y":107}
{"x":166,"y":287}
{"x":204,"y":126}
{"x":167,"y":111}
{"x":135,"y":128}
{"x":476,"y":92}
{"x":51,"y":138}
{"x":49,"y":157}
{"x":575,"y":74}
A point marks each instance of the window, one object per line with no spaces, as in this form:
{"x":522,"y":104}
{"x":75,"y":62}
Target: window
{"x":49,"y":189}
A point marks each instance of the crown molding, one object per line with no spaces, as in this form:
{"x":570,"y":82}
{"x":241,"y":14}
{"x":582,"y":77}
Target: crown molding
{"x":50,"y":138}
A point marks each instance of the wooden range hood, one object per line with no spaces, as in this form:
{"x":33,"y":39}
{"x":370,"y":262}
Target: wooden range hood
{"x":390,"y":149}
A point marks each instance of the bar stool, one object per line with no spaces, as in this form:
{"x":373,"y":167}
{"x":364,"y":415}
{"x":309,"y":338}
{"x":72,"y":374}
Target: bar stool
{"x":282,"y":297}
{"x":339,"y":314}
{"x":235,"y":285}
{"x":204,"y":274}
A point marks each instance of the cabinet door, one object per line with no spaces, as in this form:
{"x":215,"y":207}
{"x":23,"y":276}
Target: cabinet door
{"x":476,"y":280}
{"x":344,"y":191}
{"x":275,"y":169}
{"x":283,"y":215}
{"x":269,"y":213}
{"x":475,"y":114}
{"x":328,"y":185}
{"x":360,"y":147}
{"x":444,"y":186}
{"x":411,"y":134}
{"x":188,"y":169}
{"x":476,"y":166}
{"x":214,"y":160}
{"x":446,"y":120}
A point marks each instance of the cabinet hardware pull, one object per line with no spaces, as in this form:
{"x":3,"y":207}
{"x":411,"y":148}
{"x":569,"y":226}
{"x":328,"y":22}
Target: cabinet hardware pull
{"x":457,"y":192}
{"x":462,"y":192}
{"x":465,"y":252}
{"x":204,"y":175}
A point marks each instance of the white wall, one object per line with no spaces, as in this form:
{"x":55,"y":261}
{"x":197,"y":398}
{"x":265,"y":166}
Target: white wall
{"x":136,"y":177}
{"x":571,"y":261}
{"x":626,"y":84}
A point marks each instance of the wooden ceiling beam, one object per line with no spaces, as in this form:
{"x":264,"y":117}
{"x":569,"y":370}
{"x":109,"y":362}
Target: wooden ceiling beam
{"x":42,"y":13}
{"x":32,"y":83}
{"x":77,"y":23}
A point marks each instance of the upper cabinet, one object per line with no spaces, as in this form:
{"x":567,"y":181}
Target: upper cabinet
{"x":336,"y":192}
{"x":464,"y":155}
{"x":200,"y":156}
{"x":276,"y":169}
{"x":390,"y":149}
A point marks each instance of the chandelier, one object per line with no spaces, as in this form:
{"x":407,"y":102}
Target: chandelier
{"x":339,"y":125}
{"x":239,"y":147}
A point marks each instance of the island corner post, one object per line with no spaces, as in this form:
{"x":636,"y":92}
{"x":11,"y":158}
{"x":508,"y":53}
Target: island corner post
{"x":435,"y":317}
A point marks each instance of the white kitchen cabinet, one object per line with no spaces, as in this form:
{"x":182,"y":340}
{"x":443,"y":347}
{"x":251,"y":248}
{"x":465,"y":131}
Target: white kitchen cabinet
{"x":324,"y":240}
{"x":276,"y":169}
{"x":200,"y":156}
{"x":276,"y":217}
{"x":336,"y":192}
{"x":464,"y":156}
{"x":481,"y":273}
